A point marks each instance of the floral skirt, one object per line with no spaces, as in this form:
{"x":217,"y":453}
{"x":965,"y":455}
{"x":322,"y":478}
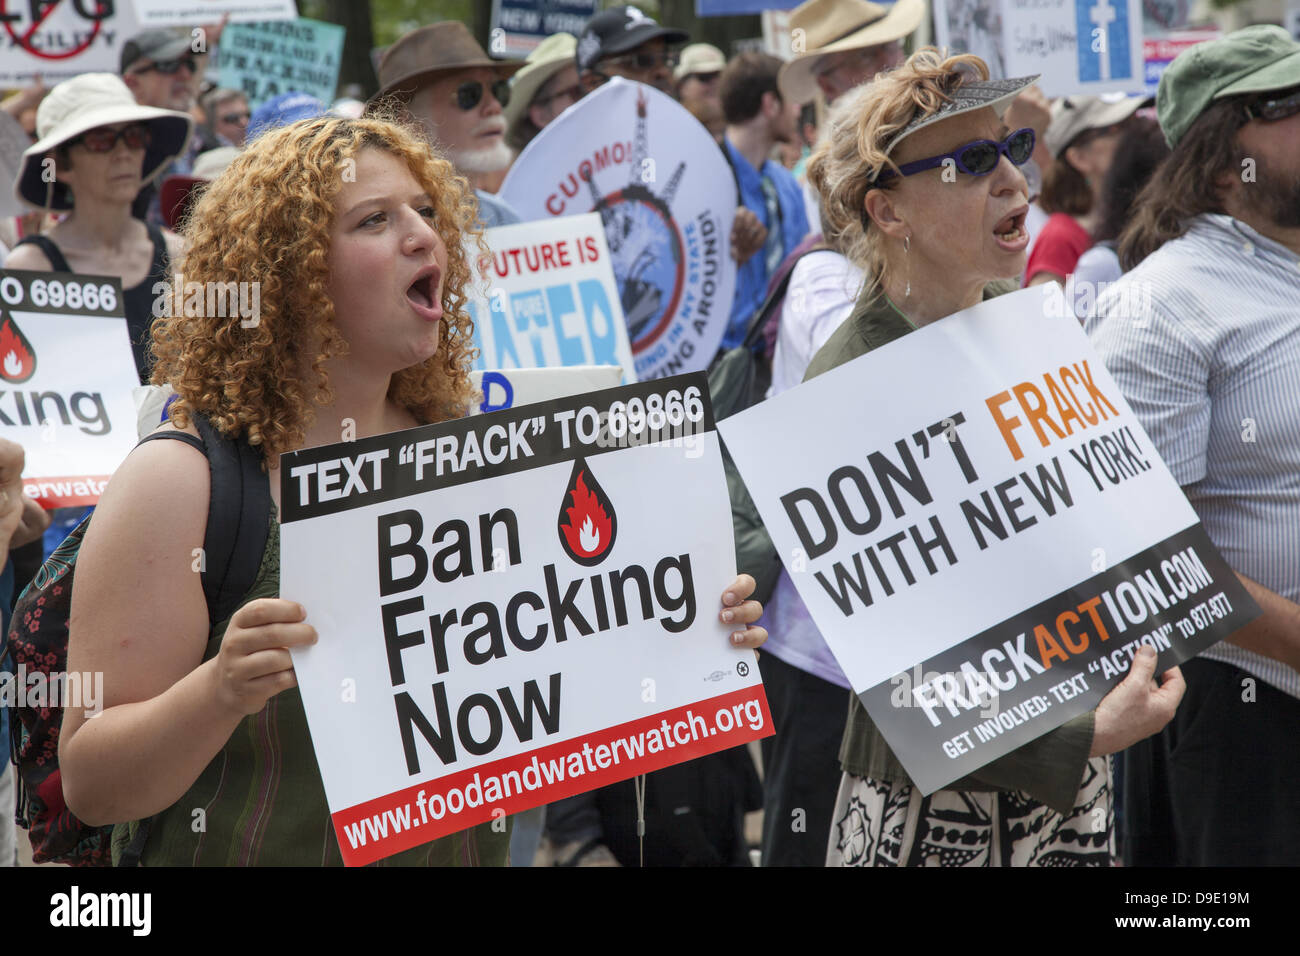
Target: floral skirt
{"x":879,"y":823}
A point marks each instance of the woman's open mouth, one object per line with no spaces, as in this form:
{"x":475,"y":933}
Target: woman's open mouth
{"x":1010,"y":232}
{"x":423,"y":293}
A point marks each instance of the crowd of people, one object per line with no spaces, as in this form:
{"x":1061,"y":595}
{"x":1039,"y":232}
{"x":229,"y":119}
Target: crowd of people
{"x":851,"y":231}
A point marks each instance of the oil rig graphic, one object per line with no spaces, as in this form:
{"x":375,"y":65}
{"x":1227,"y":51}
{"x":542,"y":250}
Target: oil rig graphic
{"x":641,"y":233}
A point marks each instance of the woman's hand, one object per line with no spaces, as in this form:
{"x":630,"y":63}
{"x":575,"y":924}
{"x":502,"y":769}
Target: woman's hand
{"x":31,"y":525}
{"x":11,"y":493}
{"x":1137,"y":706}
{"x":737,"y":611}
{"x":253,"y":664}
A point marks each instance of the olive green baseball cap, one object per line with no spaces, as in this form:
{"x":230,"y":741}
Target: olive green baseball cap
{"x":1258,"y":59}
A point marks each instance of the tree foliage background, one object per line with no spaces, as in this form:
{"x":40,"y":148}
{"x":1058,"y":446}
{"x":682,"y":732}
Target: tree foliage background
{"x":377,"y":23}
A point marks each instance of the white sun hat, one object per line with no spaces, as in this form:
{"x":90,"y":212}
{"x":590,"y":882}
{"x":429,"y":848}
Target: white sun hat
{"x":84,"y":103}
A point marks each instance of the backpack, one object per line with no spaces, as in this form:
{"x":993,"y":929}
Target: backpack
{"x":38,"y":638}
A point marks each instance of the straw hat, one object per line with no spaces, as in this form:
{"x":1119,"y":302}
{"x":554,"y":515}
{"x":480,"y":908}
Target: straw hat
{"x":551,"y":56}
{"x":420,"y":56}
{"x":831,"y":26}
{"x":84,"y":103}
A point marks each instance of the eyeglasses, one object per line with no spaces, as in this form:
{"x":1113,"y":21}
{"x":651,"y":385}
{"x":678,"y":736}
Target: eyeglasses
{"x":470,"y":94}
{"x":103,"y":139}
{"x":645,"y":60}
{"x":975,"y":159}
{"x":573,"y":92}
{"x":1273,"y":110}
{"x":168,"y":67}
{"x":243,"y":117}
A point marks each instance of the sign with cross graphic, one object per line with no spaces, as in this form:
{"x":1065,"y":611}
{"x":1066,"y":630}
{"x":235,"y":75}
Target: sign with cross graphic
{"x":1079,"y":46}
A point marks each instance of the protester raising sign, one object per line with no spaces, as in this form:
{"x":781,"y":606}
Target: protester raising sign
{"x":266,"y":59}
{"x":666,"y":197}
{"x":62,"y":39}
{"x":550,"y":298}
{"x":163,"y":13}
{"x":529,"y":624}
{"x":989,"y":538}
{"x":74,"y":418}
{"x":1078,"y":46}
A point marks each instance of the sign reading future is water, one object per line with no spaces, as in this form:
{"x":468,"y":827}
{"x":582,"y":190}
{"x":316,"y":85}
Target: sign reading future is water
{"x":666,"y":198}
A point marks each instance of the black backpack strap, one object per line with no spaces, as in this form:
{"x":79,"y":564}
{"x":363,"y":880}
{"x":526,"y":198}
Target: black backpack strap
{"x":238,"y":516}
{"x":240,"y":490}
{"x":775,"y":298}
{"x":178,"y":436}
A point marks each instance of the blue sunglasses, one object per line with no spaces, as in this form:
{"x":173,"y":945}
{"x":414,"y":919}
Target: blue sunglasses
{"x":975,"y":159}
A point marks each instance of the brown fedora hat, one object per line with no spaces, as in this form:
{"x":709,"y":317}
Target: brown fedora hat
{"x":430,"y":50}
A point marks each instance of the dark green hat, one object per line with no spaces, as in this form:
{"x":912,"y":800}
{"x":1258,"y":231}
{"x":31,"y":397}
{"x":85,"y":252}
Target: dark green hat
{"x":1258,"y":59}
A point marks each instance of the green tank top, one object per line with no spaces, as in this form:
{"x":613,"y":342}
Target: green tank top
{"x":261,"y":802}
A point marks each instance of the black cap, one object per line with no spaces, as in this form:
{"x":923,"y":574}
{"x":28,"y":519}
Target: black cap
{"x":156,"y":45}
{"x":618,"y":30}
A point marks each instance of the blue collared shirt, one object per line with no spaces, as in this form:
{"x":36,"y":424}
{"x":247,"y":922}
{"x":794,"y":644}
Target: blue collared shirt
{"x":752,"y":276}
{"x":494,"y":211}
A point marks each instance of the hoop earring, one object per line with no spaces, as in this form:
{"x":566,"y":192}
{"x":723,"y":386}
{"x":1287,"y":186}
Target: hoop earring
{"x":907,"y":247}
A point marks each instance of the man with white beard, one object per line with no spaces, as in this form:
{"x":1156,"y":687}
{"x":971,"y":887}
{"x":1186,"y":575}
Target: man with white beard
{"x":456,"y":92}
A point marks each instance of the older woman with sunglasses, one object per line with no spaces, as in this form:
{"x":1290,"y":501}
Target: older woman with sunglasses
{"x":96,"y":148}
{"x":920,"y":183}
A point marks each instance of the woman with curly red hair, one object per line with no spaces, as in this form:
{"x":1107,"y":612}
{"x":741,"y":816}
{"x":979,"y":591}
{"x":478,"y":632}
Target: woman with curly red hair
{"x":356,"y":232}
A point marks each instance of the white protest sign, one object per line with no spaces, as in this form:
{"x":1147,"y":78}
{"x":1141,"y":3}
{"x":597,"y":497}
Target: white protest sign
{"x":666,"y":196}
{"x":514,"y":608}
{"x":74,"y":417}
{"x":506,"y":388}
{"x":62,"y":39}
{"x":192,"y":13}
{"x":1079,"y":46}
{"x":988,"y":539}
{"x":550,"y":298}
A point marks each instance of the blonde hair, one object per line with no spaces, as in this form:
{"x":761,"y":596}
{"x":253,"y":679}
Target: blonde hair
{"x":267,"y":218}
{"x":852,"y":154}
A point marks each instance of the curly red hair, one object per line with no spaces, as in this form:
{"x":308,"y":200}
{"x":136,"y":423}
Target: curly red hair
{"x":267,"y":218}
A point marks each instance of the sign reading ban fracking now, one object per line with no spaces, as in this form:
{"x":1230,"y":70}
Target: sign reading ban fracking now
{"x":982,"y":531}
{"x":514,"y":608}
{"x":66,"y":375}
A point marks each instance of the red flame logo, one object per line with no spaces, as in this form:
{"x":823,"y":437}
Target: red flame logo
{"x":589,"y":524}
{"x":17,"y":360}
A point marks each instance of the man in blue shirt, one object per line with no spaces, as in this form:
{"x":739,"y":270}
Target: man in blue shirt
{"x":758,"y":118}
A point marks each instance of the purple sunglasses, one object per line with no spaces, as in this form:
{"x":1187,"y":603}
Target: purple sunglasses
{"x":975,"y":159}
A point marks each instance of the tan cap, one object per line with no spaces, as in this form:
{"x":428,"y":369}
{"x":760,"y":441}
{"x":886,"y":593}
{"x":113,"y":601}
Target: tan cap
{"x":831,"y":26}
{"x":1072,"y":115}
{"x":549,"y":57}
{"x":699,"y":58}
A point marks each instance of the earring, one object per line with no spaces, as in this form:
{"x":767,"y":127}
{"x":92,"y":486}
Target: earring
{"x":907,"y":246}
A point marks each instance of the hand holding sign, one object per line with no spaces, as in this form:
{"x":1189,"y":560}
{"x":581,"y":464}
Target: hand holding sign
{"x":736,"y":610}
{"x":11,"y":489}
{"x":1136,"y":708}
{"x":253,"y":664}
